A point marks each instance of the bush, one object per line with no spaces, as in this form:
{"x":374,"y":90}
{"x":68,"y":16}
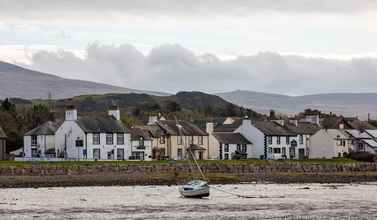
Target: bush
{"x":362,"y":156}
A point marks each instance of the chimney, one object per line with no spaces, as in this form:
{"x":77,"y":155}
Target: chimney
{"x":246,"y":121}
{"x":152,"y":120}
{"x":341,"y":126}
{"x":115,"y":112}
{"x":71,"y":114}
{"x":210,"y":127}
{"x":294,"y":122}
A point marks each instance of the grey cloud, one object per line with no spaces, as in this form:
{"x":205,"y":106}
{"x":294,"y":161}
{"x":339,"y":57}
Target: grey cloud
{"x":42,"y":7}
{"x":173,"y":68}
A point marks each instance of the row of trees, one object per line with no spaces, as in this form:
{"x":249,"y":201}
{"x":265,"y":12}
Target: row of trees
{"x":16,"y":121}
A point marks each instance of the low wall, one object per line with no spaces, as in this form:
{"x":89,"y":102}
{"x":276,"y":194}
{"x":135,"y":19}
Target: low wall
{"x":36,"y":175}
{"x":171,"y":168}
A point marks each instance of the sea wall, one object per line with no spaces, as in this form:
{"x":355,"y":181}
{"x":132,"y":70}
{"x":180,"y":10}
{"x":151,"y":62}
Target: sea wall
{"x":169,"y":174}
{"x":40,"y":170}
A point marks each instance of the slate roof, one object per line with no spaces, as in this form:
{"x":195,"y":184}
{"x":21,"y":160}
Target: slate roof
{"x":107,"y":124}
{"x":47,"y":128}
{"x":187,"y":128}
{"x":303,"y":128}
{"x":2,"y":133}
{"x":153,"y":130}
{"x":273,"y":129}
{"x":136,"y":133}
{"x":231,"y":138}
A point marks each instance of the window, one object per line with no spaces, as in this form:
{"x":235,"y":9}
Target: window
{"x":162,"y":140}
{"x":109,"y":139}
{"x":226,"y":156}
{"x":221,"y":151}
{"x":287,"y":140}
{"x":200,"y":140}
{"x":141,"y":142}
{"x":361,"y":146}
{"x":137,"y":156}
{"x":96,"y":139}
{"x":110,"y":155}
{"x":79,"y":143}
{"x":34,"y":140}
{"x":238,"y":147}
{"x":244,"y":148}
{"x":120,"y":138}
{"x":269,"y":139}
{"x":270,"y":150}
{"x":301,"y":139}
{"x":277,"y":150}
{"x":180,"y":140}
{"x":278,"y":140}
{"x":226,"y":148}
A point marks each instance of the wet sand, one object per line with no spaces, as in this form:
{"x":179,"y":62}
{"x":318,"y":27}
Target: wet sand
{"x":272,"y":201}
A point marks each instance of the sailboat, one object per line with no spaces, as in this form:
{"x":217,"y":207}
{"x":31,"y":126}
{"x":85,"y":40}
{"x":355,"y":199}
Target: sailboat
{"x":196,"y":188}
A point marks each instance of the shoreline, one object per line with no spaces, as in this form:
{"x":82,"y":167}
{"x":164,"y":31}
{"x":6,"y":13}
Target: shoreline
{"x":33,"y":175}
{"x":173,"y":179}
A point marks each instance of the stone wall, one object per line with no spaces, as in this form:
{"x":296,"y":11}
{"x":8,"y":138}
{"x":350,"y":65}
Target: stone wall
{"x":41,"y":170}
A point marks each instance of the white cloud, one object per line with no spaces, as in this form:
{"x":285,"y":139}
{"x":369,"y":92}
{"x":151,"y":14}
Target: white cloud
{"x":173,"y":68}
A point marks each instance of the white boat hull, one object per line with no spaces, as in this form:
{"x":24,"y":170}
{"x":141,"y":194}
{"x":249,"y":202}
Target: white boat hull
{"x":195,"y":190}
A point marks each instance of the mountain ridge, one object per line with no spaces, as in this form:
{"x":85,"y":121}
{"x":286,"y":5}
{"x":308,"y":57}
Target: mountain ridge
{"x":348,"y":104}
{"x":20,"y":82}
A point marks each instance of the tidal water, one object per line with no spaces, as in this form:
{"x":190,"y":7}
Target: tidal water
{"x":268,"y":201}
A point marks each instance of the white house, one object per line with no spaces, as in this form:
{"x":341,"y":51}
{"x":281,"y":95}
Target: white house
{"x":93,"y":138}
{"x":141,"y":144}
{"x":363,"y":140}
{"x":228,"y":145}
{"x":330,"y":143}
{"x":278,"y":139}
{"x":40,"y":141}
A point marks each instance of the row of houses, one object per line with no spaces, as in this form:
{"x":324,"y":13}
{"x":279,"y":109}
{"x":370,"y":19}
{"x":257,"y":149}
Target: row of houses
{"x":106,"y":138}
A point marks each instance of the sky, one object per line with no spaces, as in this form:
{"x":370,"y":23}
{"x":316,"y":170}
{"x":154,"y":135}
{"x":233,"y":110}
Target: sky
{"x":291,"y":47}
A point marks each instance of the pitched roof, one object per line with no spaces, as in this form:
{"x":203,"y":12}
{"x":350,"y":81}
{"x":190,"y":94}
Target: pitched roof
{"x":171,"y":127}
{"x":303,"y":128}
{"x":137,"y":133}
{"x":47,"y":128}
{"x":273,"y":128}
{"x":230,"y":138}
{"x":153,"y":130}
{"x":105,"y":124}
{"x":2,"y":133}
{"x":356,"y":133}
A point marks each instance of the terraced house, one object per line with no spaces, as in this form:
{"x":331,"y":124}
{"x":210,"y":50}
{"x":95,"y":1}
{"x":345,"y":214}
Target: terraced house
{"x":175,"y":139}
{"x":93,"y":138}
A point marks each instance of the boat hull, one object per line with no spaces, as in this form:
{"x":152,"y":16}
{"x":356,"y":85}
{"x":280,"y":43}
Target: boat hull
{"x":195,"y":193}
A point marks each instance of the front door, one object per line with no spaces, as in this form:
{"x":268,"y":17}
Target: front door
{"x":301,"y":154}
{"x":200,"y":155}
{"x":96,"y":154}
{"x":120,"y":154}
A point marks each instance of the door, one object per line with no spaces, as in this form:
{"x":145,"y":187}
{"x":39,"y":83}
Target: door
{"x":200,"y":155}
{"x":120,"y":154}
{"x":301,"y":154}
{"x":96,"y":154}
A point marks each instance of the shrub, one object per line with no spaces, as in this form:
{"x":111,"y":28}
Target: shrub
{"x":362,"y":156}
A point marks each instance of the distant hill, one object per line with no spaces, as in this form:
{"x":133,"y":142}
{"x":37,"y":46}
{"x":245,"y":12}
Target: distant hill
{"x":16,"y":81}
{"x":348,"y":104}
{"x":189,"y":102}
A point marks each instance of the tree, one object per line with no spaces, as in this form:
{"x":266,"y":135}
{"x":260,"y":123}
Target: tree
{"x":272,"y":115}
{"x":38,"y":115}
{"x":7,"y":106}
{"x":173,"y":106}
